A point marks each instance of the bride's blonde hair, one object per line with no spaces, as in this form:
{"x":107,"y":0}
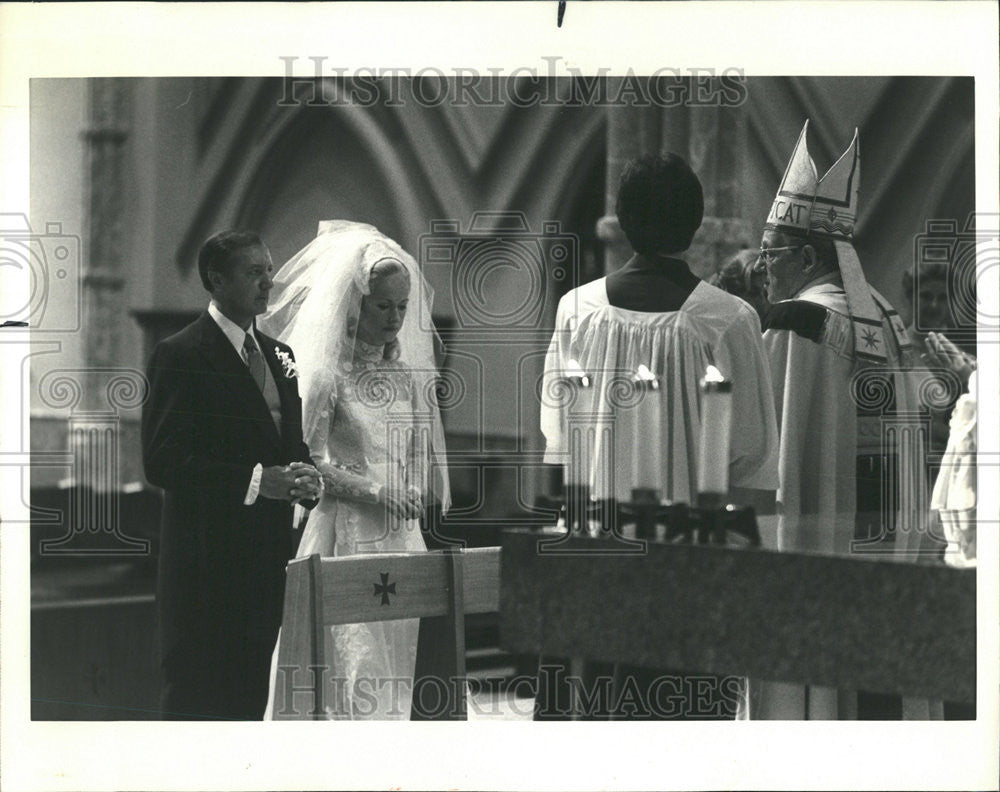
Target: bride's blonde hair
{"x":383,"y":268}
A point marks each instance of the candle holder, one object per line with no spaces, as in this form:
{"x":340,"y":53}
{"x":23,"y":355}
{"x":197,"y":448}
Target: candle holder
{"x":713,"y":524}
{"x":577,"y":508}
{"x":603,"y":519}
{"x":710,"y":524}
{"x":645,"y":510}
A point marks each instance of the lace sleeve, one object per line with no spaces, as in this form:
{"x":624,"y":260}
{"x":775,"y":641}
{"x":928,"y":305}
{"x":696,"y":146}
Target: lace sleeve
{"x":342,"y":482}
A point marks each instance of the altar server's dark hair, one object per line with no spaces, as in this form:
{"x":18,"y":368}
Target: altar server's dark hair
{"x":660,"y":204}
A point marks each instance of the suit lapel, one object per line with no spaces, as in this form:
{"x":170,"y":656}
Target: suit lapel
{"x":226,"y":361}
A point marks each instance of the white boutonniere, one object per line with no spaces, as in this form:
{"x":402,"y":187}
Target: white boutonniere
{"x":291,"y":369}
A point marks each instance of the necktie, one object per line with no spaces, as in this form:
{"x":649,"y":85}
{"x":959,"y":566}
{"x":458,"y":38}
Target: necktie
{"x":255,"y":361}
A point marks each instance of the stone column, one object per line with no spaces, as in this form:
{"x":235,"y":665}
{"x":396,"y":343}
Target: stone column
{"x":676,"y":130}
{"x":104,"y":310}
{"x":713,"y":141}
{"x":94,"y":424}
{"x":632,"y":132}
{"x":717,"y":151}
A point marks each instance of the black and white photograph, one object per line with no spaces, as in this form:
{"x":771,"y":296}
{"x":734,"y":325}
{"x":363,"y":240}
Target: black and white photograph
{"x":511,"y":368}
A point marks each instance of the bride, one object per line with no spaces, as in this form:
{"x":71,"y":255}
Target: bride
{"x":356,"y":309}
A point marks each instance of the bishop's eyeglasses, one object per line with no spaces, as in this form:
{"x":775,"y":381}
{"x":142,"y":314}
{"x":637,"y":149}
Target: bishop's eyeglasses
{"x":767,"y":254}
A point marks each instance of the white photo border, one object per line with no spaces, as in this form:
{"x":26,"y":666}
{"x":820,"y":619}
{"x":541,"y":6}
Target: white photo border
{"x":764,"y":38}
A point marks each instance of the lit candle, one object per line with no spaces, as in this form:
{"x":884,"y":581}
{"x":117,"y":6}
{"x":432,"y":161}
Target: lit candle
{"x":576,"y":471}
{"x":644,"y":379}
{"x":716,"y":425}
{"x":646,"y":468}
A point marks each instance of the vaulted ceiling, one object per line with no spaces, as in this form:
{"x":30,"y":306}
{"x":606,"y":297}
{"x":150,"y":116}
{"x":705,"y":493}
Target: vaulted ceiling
{"x":281,"y":166}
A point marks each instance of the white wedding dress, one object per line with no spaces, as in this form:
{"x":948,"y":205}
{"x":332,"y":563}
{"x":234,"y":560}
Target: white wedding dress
{"x":370,"y":434}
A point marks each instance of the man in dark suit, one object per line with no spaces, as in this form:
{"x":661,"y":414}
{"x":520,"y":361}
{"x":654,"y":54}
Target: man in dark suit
{"x":222,"y":435}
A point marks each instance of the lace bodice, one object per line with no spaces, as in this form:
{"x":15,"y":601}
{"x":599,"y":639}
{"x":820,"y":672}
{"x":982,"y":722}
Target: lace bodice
{"x":369,"y":434}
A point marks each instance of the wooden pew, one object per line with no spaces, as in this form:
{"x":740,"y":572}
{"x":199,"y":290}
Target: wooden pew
{"x":881,"y":626}
{"x":438,"y":587}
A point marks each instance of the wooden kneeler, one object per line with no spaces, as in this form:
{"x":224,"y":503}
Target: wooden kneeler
{"x":437,"y":587}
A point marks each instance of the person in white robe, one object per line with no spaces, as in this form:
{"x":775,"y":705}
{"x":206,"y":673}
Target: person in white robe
{"x":841,"y":366}
{"x":654,"y":320}
{"x":656,"y":443}
{"x":954,"y":495}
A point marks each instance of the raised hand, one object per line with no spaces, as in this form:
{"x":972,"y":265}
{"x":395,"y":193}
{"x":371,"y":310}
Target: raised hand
{"x":944,"y":354}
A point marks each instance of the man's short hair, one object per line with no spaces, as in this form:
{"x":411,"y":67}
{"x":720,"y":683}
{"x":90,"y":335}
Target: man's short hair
{"x":219,"y":253}
{"x":660,"y":204}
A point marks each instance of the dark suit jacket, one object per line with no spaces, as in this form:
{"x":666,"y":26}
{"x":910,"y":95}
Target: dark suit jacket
{"x":204,"y":427}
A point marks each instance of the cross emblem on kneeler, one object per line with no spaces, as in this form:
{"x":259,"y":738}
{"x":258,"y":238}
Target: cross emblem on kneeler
{"x":384,"y":589}
{"x":438,"y":588}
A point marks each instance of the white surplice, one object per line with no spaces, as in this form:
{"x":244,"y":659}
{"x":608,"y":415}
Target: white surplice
{"x":654,"y":441}
{"x":954,"y":493}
